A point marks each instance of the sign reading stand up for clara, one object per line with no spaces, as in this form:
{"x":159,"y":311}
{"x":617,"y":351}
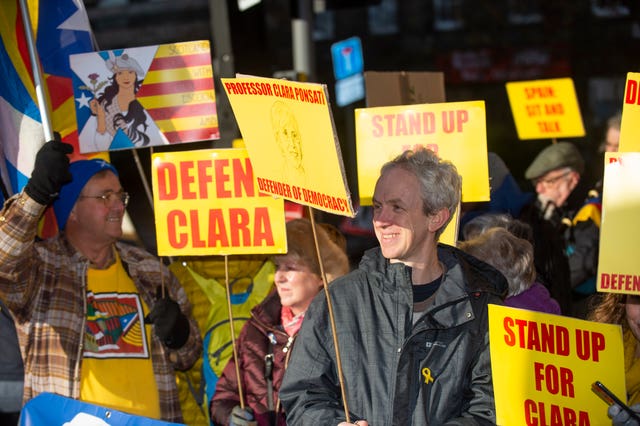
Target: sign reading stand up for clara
{"x":544,"y":365}
{"x":207,"y":202}
{"x":289,"y":133}
{"x":455,"y":131}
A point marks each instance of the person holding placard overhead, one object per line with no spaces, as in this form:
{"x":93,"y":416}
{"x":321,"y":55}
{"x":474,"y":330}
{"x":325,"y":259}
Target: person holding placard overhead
{"x":97,"y":319}
{"x":266,"y":339}
{"x":412,"y":320}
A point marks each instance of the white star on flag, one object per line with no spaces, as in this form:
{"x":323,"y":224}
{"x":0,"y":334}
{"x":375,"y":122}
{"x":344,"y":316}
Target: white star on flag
{"x":83,"y":101}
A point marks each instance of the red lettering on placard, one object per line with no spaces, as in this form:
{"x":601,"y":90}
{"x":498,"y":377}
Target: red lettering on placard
{"x":175,"y":219}
{"x":243,"y":178}
{"x":167,"y":181}
{"x":204,"y":178}
{"x":631,"y":95}
{"x":589,"y":344}
{"x":222,"y":177}
{"x":548,"y":126}
{"x":625,"y":282}
{"x":554,"y":109}
{"x":556,"y":379}
{"x":186,"y":180}
{"x":541,"y":414}
{"x":539,"y":92}
{"x":541,"y":337}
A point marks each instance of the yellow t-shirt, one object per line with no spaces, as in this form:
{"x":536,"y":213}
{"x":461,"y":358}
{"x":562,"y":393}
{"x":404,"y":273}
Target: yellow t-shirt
{"x":117,"y":370}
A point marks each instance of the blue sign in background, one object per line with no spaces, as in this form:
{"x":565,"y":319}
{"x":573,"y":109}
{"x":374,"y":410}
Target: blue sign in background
{"x":347,"y":58}
{"x":52,"y":409}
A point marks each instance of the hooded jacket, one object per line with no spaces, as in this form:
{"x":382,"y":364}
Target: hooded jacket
{"x":435,"y":372}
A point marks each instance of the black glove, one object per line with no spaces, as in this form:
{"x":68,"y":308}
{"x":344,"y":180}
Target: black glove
{"x":620,"y":417}
{"x":242,"y":417}
{"x":170,"y":324}
{"x":50,"y":171}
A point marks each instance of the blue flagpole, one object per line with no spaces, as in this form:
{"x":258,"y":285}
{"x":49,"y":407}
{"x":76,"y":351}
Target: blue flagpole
{"x":43,"y":104}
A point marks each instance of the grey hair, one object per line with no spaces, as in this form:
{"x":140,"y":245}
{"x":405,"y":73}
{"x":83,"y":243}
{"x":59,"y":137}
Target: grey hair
{"x":510,"y":255}
{"x":480,"y":224}
{"x":440,"y":183}
{"x":486,"y":221}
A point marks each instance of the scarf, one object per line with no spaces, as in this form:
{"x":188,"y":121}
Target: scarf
{"x":290,"y":322}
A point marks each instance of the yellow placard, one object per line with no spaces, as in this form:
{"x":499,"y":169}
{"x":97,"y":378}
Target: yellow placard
{"x":544,"y":109}
{"x":618,"y":269}
{"x":289,"y":132}
{"x":630,"y":124}
{"x":543,"y":366}
{"x":207,"y":202}
{"x":450,"y":233}
{"x":456,"y":131}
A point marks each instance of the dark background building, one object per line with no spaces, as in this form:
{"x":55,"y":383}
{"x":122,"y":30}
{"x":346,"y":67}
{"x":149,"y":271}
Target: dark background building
{"x":478,"y":44}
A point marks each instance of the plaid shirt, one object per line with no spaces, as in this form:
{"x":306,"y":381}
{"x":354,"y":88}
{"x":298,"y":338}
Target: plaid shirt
{"x":44,"y":285}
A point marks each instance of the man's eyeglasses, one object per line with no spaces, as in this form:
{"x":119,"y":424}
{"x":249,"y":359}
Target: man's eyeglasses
{"x":109,"y":197}
{"x":551,"y":181}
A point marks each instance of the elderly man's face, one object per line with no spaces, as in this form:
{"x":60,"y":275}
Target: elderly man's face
{"x":556,"y":185}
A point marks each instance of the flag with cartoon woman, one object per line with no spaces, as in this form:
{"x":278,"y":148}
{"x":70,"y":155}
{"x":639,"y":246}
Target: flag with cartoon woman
{"x":144,"y":96}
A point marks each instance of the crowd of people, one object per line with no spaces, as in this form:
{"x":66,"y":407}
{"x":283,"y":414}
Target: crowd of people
{"x":106,"y":322}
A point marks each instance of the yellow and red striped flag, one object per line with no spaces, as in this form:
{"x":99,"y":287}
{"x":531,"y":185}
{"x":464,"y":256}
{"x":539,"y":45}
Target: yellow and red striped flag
{"x":145,"y":96}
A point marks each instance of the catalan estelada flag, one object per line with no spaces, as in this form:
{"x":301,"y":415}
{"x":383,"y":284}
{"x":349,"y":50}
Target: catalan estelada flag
{"x":61,"y":27}
{"x":145,"y":96}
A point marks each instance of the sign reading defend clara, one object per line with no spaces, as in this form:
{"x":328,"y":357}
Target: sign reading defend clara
{"x":545,"y":109}
{"x":289,"y":133}
{"x":207,"y":202}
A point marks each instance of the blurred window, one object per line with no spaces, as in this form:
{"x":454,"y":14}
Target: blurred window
{"x":448,"y":15}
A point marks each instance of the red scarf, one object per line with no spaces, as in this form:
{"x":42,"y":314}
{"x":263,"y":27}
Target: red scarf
{"x":290,"y":322}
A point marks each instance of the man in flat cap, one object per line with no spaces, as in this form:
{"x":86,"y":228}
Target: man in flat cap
{"x":565,"y":250}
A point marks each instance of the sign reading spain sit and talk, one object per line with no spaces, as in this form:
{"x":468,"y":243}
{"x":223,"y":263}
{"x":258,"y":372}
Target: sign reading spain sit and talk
{"x":144,"y":96}
{"x":289,"y":133}
{"x":543,"y":367}
{"x":207,"y":202}
{"x":545,"y":109}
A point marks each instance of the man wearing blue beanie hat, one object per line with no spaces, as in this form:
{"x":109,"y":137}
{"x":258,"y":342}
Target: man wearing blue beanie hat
{"x":98,"y":320}
{"x":81,"y":171}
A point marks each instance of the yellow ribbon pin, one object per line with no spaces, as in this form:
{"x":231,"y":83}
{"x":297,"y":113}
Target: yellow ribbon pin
{"x":427,"y":375}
